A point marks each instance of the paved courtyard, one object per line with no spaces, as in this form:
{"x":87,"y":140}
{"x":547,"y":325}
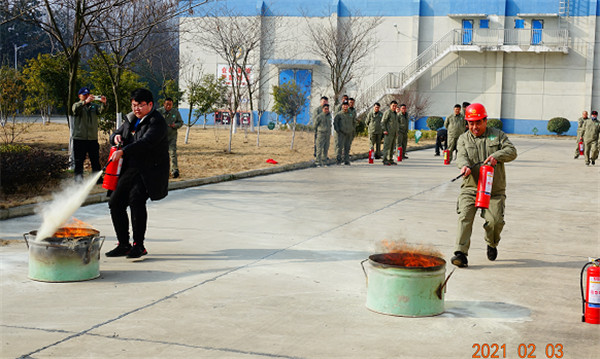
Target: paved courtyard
{"x":269,"y":267}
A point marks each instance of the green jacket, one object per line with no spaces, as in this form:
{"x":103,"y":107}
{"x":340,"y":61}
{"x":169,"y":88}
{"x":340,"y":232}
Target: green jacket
{"x":323,"y":123}
{"x":316,"y":112}
{"x":373,"y":122}
{"x":171,"y":117}
{"x":343,"y":122}
{"x":455,"y":124}
{"x":472,"y":150}
{"x":85,"y":120}
{"x":590,"y":130}
{"x":580,"y":126}
{"x":390,"y":122}
{"x":403,"y":121}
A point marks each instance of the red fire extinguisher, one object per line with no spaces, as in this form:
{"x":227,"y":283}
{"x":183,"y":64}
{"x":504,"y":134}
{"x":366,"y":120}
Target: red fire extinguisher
{"x":112,"y":171}
{"x":591,"y":297}
{"x":446,"y":157}
{"x":484,"y":186}
{"x":581,"y":148}
{"x":371,"y":155}
{"x":399,"y":153}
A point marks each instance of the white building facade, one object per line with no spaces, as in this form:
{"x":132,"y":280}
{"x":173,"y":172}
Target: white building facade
{"x":527,"y":61}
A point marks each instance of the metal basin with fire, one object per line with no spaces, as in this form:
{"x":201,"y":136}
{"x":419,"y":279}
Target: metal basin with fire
{"x":67,"y":256}
{"x":405,"y":284}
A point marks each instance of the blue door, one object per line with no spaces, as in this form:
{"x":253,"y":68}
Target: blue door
{"x":303,"y":79}
{"x":536,"y":31}
{"x":467,"y":29}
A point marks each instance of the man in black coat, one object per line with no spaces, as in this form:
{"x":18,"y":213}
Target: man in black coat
{"x":144,"y":173}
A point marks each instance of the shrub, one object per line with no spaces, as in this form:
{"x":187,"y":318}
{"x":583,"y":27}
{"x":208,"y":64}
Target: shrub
{"x":435,"y":122}
{"x":26,"y":169}
{"x":495,"y":123}
{"x":559,"y":125}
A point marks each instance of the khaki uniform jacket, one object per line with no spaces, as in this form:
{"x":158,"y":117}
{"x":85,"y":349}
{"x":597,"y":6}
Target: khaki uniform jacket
{"x":343,"y":122}
{"x":373,"y":122}
{"x":590,"y":130}
{"x":472,"y":150}
{"x":316,"y":112}
{"x":403,"y":120}
{"x":455,"y":124}
{"x":390,"y":123}
{"x":323,"y":123}
{"x":85,"y":120}
{"x":171,"y":117}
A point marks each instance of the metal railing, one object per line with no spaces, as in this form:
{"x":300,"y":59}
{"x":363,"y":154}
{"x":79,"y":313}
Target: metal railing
{"x":464,"y":40}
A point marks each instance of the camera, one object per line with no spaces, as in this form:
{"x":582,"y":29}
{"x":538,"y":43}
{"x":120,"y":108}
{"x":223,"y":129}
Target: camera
{"x":97,"y":98}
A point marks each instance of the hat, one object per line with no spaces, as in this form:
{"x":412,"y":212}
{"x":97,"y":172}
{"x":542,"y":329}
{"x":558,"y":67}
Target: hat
{"x":83,"y":91}
{"x":595,"y":112}
{"x":475,"y":112}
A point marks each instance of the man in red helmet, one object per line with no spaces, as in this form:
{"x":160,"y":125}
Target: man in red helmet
{"x":479,"y":145}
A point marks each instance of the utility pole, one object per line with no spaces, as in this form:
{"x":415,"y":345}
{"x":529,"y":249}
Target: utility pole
{"x":17,"y":48}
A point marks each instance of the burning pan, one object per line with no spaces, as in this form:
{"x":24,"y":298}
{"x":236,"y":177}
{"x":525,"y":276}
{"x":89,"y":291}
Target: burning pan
{"x":58,"y":259}
{"x":415,"y":290}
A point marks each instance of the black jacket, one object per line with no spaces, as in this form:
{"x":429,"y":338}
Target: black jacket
{"x":147,"y":149}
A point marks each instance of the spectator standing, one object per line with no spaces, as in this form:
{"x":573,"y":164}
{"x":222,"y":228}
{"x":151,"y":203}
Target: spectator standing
{"x":403,"y":130}
{"x":589,"y":135}
{"x":582,"y":119}
{"x":373,"y":123}
{"x":174,"y":122}
{"x":322,"y":134}
{"x":343,"y":124}
{"x":456,"y":125}
{"x":390,"y":126}
{"x":85,"y":131}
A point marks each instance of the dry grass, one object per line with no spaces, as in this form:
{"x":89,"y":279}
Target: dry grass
{"x":204,"y":155}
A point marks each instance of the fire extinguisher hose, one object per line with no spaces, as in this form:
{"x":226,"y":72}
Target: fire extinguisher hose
{"x":462,"y":174}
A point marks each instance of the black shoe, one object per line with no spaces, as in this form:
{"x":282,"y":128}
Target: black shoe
{"x":393,"y":163}
{"x":405,"y":157}
{"x":437,"y":154}
{"x":576,"y":156}
{"x":377,"y":157}
{"x":120,"y":251}
{"x":137,"y":251}
{"x":492,"y":253}
{"x":347,"y":163}
{"x":460,"y":260}
{"x":175,"y":173}
{"x":593,"y":162}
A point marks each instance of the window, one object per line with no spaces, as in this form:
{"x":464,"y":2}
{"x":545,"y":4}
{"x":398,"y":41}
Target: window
{"x":519,"y":24}
{"x":484,"y":24}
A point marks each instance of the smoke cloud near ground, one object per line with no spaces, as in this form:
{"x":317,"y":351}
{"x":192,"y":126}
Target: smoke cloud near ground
{"x":63,"y":205}
{"x":397,"y":246}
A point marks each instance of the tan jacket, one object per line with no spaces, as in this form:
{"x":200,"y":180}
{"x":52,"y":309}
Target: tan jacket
{"x":472,"y":150}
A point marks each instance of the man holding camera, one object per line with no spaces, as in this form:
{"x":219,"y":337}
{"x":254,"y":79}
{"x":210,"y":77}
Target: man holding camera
{"x":84,"y":131}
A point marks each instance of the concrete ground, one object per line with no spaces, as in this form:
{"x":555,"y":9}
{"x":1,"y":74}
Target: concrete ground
{"x":269,"y":267}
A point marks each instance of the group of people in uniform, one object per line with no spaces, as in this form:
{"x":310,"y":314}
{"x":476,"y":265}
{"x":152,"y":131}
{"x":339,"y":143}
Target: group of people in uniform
{"x":468,"y":135}
{"x":588,"y":131}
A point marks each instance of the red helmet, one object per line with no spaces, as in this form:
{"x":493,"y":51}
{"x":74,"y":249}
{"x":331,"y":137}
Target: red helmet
{"x":475,"y":112}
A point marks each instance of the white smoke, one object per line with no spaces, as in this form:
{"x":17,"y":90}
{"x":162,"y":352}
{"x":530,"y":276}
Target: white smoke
{"x":63,"y":205}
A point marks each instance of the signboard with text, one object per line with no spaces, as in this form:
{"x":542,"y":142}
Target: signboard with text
{"x":234,"y":75}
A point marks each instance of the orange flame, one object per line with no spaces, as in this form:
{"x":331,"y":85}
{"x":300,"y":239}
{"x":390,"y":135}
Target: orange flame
{"x":399,"y":253}
{"x":75,"y":228}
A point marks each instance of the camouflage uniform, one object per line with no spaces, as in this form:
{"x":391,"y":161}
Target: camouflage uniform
{"x":471,"y":151}
{"x":389,"y":124}
{"x":373,"y":122}
{"x":172,"y":117}
{"x":456,"y":126}
{"x":403,"y":132}
{"x":343,"y":123}
{"x":579,"y":128}
{"x":589,"y":132}
{"x":322,"y":136}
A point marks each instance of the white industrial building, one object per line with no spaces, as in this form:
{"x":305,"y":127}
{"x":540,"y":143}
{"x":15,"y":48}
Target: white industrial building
{"x":526,"y":60}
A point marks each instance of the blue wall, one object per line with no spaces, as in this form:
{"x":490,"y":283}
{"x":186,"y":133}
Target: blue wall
{"x":319,"y":8}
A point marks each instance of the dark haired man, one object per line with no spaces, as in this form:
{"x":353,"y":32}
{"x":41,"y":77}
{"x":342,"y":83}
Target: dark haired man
{"x":322,"y":135}
{"x":589,"y":136}
{"x":403,"y":130}
{"x":85,"y":131}
{"x":390,"y":125}
{"x":456,"y":126}
{"x":144,"y":173}
{"x":373,"y":123}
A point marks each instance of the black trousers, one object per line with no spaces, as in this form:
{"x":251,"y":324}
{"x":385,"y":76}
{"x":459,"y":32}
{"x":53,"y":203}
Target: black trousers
{"x":130,"y":192}
{"x":441,"y":143}
{"x":81,"y":148}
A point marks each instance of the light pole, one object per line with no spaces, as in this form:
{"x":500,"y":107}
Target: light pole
{"x":17,"y":48}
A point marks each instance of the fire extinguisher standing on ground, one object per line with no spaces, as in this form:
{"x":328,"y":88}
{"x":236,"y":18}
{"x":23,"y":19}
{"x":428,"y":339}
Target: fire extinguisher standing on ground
{"x":112,"y":170}
{"x":446,"y":157}
{"x":399,"y":153}
{"x":591,"y":297}
{"x":484,"y":186}
{"x":371,"y":156}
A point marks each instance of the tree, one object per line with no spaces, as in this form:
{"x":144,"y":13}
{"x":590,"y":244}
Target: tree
{"x":289,"y":102}
{"x":236,"y":39}
{"x":343,"y":42}
{"x":100,"y":83}
{"x":46,"y":80}
{"x":12,"y":95}
{"x":170,"y":89}
{"x":417,"y":104}
{"x":208,"y":93}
